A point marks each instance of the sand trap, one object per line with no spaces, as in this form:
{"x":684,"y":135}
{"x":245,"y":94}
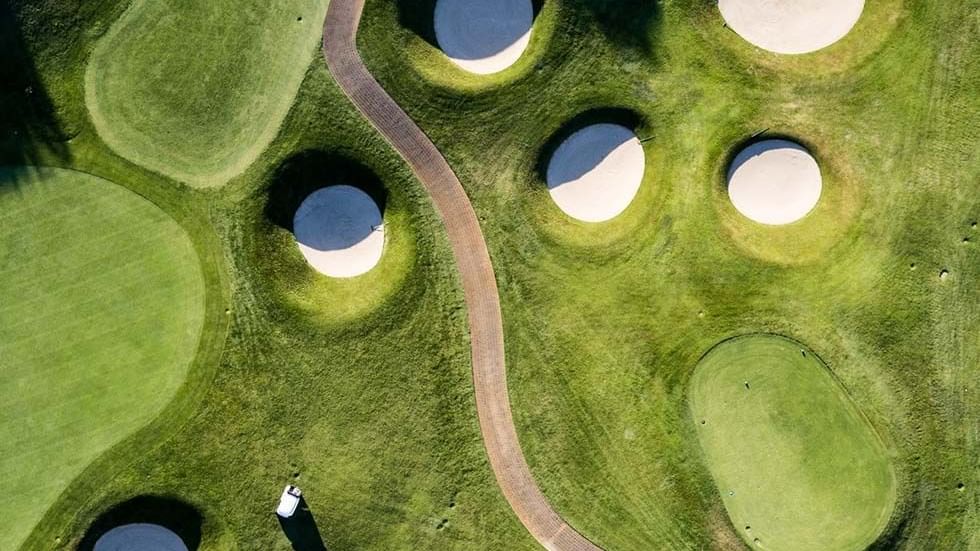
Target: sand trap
{"x":774,"y":182}
{"x":339,"y":231}
{"x":483,"y":36}
{"x":140,"y":537}
{"x":595,"y":173}
{"x":791,"y":26}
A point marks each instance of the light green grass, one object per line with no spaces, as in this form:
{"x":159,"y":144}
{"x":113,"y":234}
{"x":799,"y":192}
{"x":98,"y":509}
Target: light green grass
{"x":102,"y":311}
{"x":797,"y":465}
{"x":196,"y":90}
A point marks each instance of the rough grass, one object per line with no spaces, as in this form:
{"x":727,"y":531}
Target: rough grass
{"x":795,"y":462}
{"x":196,"y":90}
{"x":102,"y":312}
{"x":604,"y":324}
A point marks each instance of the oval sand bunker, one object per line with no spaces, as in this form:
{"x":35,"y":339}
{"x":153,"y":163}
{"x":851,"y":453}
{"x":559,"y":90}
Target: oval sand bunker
{"x":791,"y":26}
{"x":483,"y":36}
{"x":140,"y":537}
{"x":339,"y":231}
{"x":595,"y":173}
{"x":774,"y":182}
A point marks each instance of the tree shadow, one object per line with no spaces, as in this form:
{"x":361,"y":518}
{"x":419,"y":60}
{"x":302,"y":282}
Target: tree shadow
{"x":30,"y":133}
{"x":418,"y":16}
{"x":612,"y":115}
{"x":301,"y":529}
{"x":302,"y":174}
{"x":628,"y":23}
{"x":174,"y":515}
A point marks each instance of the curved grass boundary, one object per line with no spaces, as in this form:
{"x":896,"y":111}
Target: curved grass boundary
{"x":102,"y":343}
{"x":797,"y":464}
{"x":166,"y":93}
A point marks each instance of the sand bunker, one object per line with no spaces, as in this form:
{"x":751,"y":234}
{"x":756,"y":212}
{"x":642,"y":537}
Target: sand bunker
{"x":595,"y":173}
{"x":140,"y":537}
{"x":774,"y":182}
{"x":483,"y":36}
{"x":339,"y":230}
{"x":791,"y":26}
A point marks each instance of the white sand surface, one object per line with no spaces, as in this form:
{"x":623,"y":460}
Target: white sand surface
{"x":339,"y":231}
{"x":791,"y":26}
{"x":483,"y":36}
{"x":140,"y":537}
{"x":774,"y":182}
{"x":595,"y":173}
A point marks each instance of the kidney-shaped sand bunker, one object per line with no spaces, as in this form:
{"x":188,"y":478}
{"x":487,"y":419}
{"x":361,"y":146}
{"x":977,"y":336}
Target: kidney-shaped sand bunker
{"x":483,"y":36}
{"x":595,"y":173}
{"x":340,"y":231}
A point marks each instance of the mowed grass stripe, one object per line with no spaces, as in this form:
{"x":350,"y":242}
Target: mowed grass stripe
{"x":197,"y":90}
{"x":104,"y":311}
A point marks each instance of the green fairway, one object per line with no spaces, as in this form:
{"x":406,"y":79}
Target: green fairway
{"x":797,"y":465}
{"x":196,"y":90}
{"x":101,"y":315}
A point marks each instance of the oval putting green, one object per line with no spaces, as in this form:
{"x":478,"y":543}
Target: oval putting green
{"x":102,"y":310}
{"x":197,"y":90}
{"x":797,"y":464}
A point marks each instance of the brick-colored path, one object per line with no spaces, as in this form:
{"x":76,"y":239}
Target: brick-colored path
{"x":476,"y":272}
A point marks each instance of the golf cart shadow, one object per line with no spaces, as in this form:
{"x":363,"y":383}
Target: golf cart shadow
{"x":301,"y":529}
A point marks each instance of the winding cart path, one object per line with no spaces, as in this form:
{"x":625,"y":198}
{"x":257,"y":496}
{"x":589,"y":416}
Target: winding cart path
{"x":476,"y":271}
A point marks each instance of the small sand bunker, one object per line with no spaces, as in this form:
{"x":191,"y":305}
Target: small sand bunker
{"x":483,"y":36}
{"x":140,"y":537}
{"x":791,"y":26}
{"x":595,"y":173}
{"x":774,"y":182}
{"x":339,"y":230}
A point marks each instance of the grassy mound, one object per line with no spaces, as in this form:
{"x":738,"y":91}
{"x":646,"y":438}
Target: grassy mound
{"x":102,"y":310}
{"x":197,"y":90}
{"x":796,"y":463}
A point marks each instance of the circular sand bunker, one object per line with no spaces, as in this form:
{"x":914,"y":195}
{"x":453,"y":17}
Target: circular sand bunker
{"x":483,"y":36}
{"x":791,"y":26}
{"x":339,"y":231}
{"x":595,"y":173}
{"x":140,"y":537}
{"x":774,"y":182}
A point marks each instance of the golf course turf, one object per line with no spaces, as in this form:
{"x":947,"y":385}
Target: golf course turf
{"x":102,"y":311}
{"x":795,"y":462}
{"x":360,"y":390}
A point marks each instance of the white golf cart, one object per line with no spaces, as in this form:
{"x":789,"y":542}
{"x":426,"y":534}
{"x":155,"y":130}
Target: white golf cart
{"x":289,"y":501}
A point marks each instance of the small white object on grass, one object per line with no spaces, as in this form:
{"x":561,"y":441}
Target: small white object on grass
{"x":289,"y":501}
{"x":595,"y":173}
{"x":483,"y":36}
{"x":339,"y":230}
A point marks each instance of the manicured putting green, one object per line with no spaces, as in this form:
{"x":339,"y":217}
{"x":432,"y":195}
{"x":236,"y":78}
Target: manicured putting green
{"x":797,"y":465}
{"x":103,"y":305}
{"x":197,"y":90}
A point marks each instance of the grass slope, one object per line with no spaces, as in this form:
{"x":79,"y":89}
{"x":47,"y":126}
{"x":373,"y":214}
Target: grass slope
{"x":605,"y":324}
{"x":196,"y":90}
{"x":795,"y":462}
{"x":102,"y":312}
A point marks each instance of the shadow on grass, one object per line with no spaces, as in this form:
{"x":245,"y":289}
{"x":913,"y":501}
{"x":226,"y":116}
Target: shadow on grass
{"x":174,"y":515}
{"x":418,"y":15}
{"x":302,"y":174}
{"x":614,"y":115}
{"x":301,"y":529}
{"x":627,"y":23}
{"x":30,"y":133}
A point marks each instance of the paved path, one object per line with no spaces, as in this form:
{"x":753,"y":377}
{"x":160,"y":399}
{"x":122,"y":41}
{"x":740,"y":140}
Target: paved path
{"x":476,"y":272}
